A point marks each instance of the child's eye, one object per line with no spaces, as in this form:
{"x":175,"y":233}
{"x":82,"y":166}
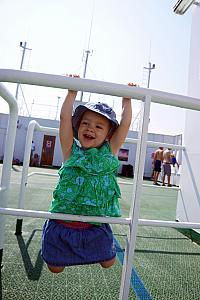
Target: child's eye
{"x":99,"y":127}
{"x":84,"y":123}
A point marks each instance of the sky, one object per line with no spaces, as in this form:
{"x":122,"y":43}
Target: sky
{"x":122,"y":37}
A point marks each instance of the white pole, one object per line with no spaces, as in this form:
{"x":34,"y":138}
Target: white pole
{"x":135,"y":207}
{"x":59,"y":216}
{"x":33,"y":125}
{"x":8,"y":157}
{"x":57,"y":106}
{"x":99,"y":87}
{"x":85,"y":69}
{"x":126,"y":221}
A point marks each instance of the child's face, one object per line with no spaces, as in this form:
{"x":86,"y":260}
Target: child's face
{"x":93,"y":130}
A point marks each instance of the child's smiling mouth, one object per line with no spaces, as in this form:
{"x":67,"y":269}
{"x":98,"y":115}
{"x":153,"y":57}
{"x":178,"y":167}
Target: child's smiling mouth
{"x":88,"y":136}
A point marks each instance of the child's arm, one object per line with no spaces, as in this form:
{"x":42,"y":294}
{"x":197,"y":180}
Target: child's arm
{"x":121,"y":132}
{"x":65,"y":130}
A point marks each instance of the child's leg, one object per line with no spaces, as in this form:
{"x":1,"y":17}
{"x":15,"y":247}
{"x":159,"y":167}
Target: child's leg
{"x":108,"y":263}
{"x":55,"y":269}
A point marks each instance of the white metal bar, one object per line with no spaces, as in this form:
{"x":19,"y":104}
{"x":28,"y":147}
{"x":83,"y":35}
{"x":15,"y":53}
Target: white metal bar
{"x":33,"y":125}
{"x":156,"y":144}
{"x":59,"y":216}
{"x":26,"y":160}
{"x":174,"y":224}
{"x":125,"y":182}
{"x":38,"y":127}
{"x":150,"y":186}
{"x":131,"y":141}
{"x":42,"y":173}
{"x":8,"y":154}
{"x":176,"y":188}
{"x":125,"y":221}
{"x":99,"y":87}
{"x":10,"y":136}
{"x":159,"y":144}
{"x":137,"y":191}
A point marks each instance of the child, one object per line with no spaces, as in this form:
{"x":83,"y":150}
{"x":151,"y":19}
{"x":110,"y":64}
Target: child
{"x":87,"y":184}
{"x":174,"y":161}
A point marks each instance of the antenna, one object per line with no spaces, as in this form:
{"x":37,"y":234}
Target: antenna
{"x":23,"y":46}
{"x":149,"y":68}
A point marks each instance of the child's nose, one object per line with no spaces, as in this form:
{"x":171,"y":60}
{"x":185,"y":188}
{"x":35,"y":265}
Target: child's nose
{"x":90,"y":127}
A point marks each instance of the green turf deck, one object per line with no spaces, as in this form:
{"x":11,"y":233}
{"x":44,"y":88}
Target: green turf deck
{"x":167,"y":262}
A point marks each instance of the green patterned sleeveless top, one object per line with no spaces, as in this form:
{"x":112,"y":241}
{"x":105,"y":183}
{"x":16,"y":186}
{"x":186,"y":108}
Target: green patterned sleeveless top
{"x":88,"y":184}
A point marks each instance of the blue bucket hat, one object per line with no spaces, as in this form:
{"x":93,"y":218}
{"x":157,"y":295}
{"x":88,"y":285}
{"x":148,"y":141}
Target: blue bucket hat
{"x":100,"y":108}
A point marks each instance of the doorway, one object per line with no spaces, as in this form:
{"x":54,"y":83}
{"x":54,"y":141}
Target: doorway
{"x":47,"y":150}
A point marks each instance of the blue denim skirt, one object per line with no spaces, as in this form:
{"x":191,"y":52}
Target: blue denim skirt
{"x":64,"y":246}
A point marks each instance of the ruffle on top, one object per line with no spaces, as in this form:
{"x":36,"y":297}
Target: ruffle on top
{"x":88,"y":184}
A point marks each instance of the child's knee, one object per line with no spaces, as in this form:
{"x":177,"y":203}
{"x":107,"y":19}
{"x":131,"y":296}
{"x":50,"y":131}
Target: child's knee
{"x":108,"y":263}
{"x":55,"y":269}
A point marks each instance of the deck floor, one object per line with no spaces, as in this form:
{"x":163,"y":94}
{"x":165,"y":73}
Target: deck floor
{"x":166,"y":263}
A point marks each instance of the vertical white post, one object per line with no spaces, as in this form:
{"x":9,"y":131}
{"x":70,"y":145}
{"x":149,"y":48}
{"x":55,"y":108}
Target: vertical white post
{"x":26,"y":160}
{"x":8,"y":157}
{"x":137,"y":190}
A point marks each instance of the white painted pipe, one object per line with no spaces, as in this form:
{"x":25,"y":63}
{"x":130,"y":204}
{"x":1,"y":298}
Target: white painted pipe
{"x":174,"y":224}
{"x":8,"y":154}
{"x":99,"y":87}
{"x":156,"y":144}
{"x":48,"y":215}
{"x":125,"y":221}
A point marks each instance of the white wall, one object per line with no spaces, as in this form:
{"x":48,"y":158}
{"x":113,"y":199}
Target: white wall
{"x":188,"y":206}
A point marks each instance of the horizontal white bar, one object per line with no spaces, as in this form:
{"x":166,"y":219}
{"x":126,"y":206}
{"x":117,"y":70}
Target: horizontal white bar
{"x":161,"y":187}
{"x":174,"y":224}
{"x":125,"y":182}
{"x":99,"y":87}
{"x":42,"y":173}
{"x":125,"y":221}
{"x":40,"y":128}
{"x":119,"y":181}
{"x":159,"y":144}
{"x":128,"y":140}
{"x":131,"y":141}
{"x":44,"y":129}
{"x":156,"y":144}
{"x":48,"y":215}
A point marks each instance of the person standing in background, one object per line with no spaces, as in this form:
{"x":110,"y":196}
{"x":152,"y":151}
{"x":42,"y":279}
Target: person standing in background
{"x":174,"y":161}
{"x":32,"y":151}
{"x":158,"y":158}
{"x":167,"y":166}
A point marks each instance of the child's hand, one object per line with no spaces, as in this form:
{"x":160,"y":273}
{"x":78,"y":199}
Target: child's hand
{"x":128,"y":98}
{"x":72,"y":75}
{"x":133,"y":84}
{"x":74,"y":93}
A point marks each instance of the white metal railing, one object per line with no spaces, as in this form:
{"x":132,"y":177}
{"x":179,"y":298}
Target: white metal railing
{"x":99,"y":87}
{"x":146,"y":95}
{"x":8,"y":154}
{"x":126,"y":221}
